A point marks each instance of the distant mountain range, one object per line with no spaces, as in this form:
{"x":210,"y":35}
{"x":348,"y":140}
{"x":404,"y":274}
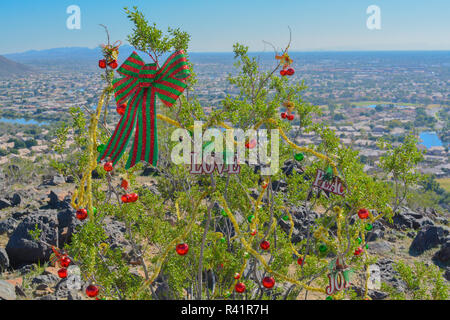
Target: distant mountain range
{"x":9,"y":67}
{"x":84,"y":56}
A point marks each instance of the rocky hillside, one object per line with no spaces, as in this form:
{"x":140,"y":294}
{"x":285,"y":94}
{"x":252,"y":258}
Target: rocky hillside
{"x":412,"y":236}
{"x":11,"y":68}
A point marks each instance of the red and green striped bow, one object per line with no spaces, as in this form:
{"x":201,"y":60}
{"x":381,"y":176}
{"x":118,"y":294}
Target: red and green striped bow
{"x":139,"y":87}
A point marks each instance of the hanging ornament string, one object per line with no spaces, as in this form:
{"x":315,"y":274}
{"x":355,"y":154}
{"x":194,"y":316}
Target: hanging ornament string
{"x":139,"y":86}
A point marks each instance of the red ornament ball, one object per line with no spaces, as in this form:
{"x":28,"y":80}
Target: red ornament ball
{"x":283,"y":115}
{"x":62,"y":273}
{"x":253,"y":232}
{"x":239,"y":287}
{"x":264,"y":245}
{"x":182,"y":249}
{"x":113,"y":64}
{"x":82,"y":214}
{"x":102,"y":64}
{"x":108,"y":166}
{"x":133,"y":197}
{"x":124,"y":184}
{"x":237,"y":275}
{"x":290,"y":71}
{"x":283,"y":72}
{"x":268,"y":282}
{"x":65,"y":261}
{"x":290,"y":117}
{"x":363,"y":213}
{"x":121,"y":109}
{"x":125,"y":198}
{"x":300,"y":261}
{"x":92,"y":291}
{"x":358,"y":251}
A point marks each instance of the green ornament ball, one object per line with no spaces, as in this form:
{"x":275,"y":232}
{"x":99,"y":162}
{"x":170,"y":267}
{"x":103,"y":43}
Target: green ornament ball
{"x":94,"y":209}
{"x":329,"y":298}
{"x":299,"y":156}
{"x":285,"y":218}
{"x":227,"y":294}
{"x":223,"y":240}
{"x":224,"y":213}
{"x":250,"y":218}
{"x":323,"y":247}
{"x":359,"y":240}
{"x":246,"y":255}
{"x":367,"y":246}
{"x":369,"y":226}
{"x":101,"y":147}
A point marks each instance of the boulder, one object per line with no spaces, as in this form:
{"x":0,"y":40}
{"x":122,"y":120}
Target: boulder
{"x":447,"y":274}
{"x":408,"y":219}
{"x":280,"y":185}
{"x":58,"y":179}
{"x":290,"y":166}
{"x":116,"y":231}
{"x":380,"y":247}
{"x":8,"y":225}
{"x":4,"y":260}
{"x":7,"y":291}
{"x":429,"y":237}
{"x":47,"y":279}
{"x":377,"y":231}
{"x":302,"y":219}
{"x":443,"y":255}
{"x":22,"y":249}
{"x":149,"y":171}
{"x":4,"y":203}
{"x":16,"y":199}
{"x":389,"y":275}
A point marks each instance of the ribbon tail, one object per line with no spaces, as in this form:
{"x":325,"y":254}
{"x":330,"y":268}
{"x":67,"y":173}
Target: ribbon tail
{"x":145,"y":144}
{"x":122,"y":134}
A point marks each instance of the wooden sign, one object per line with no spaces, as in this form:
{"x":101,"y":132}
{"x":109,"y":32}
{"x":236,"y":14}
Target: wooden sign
{"x":335,"y":186}
{"x":337,"y":282}
{"x":214,"y":163}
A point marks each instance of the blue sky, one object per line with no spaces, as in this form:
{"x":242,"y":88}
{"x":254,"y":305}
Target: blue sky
{"x":215,"y":25}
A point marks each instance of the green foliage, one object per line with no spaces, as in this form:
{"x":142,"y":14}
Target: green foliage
{"x":423,"y":282}
{"x":36,"y":233}
{"x":150,"y":39}
{"x":399,"y":163}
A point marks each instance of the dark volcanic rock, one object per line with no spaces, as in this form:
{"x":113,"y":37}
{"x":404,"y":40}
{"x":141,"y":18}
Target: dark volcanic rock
{"x":389,"y":275}
{"x":48,"y":279}
{"x":374,"y":294}
{"x":443,"y":255}
{"x":302,"y":219}
{"x":16,"y":199}
{"x":149,"y":171}
{"x":4,"y":203}
{"x":22,"y":249}
{"x":8,"y":225}
{"x":291,"y":166}
{"x":116,"y":233}
{"x":4,"y":260}
{"x":280,"y":185}
{"x":377,"y":231}
{"x":408,"y":219}
{"x":429,"y":237}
